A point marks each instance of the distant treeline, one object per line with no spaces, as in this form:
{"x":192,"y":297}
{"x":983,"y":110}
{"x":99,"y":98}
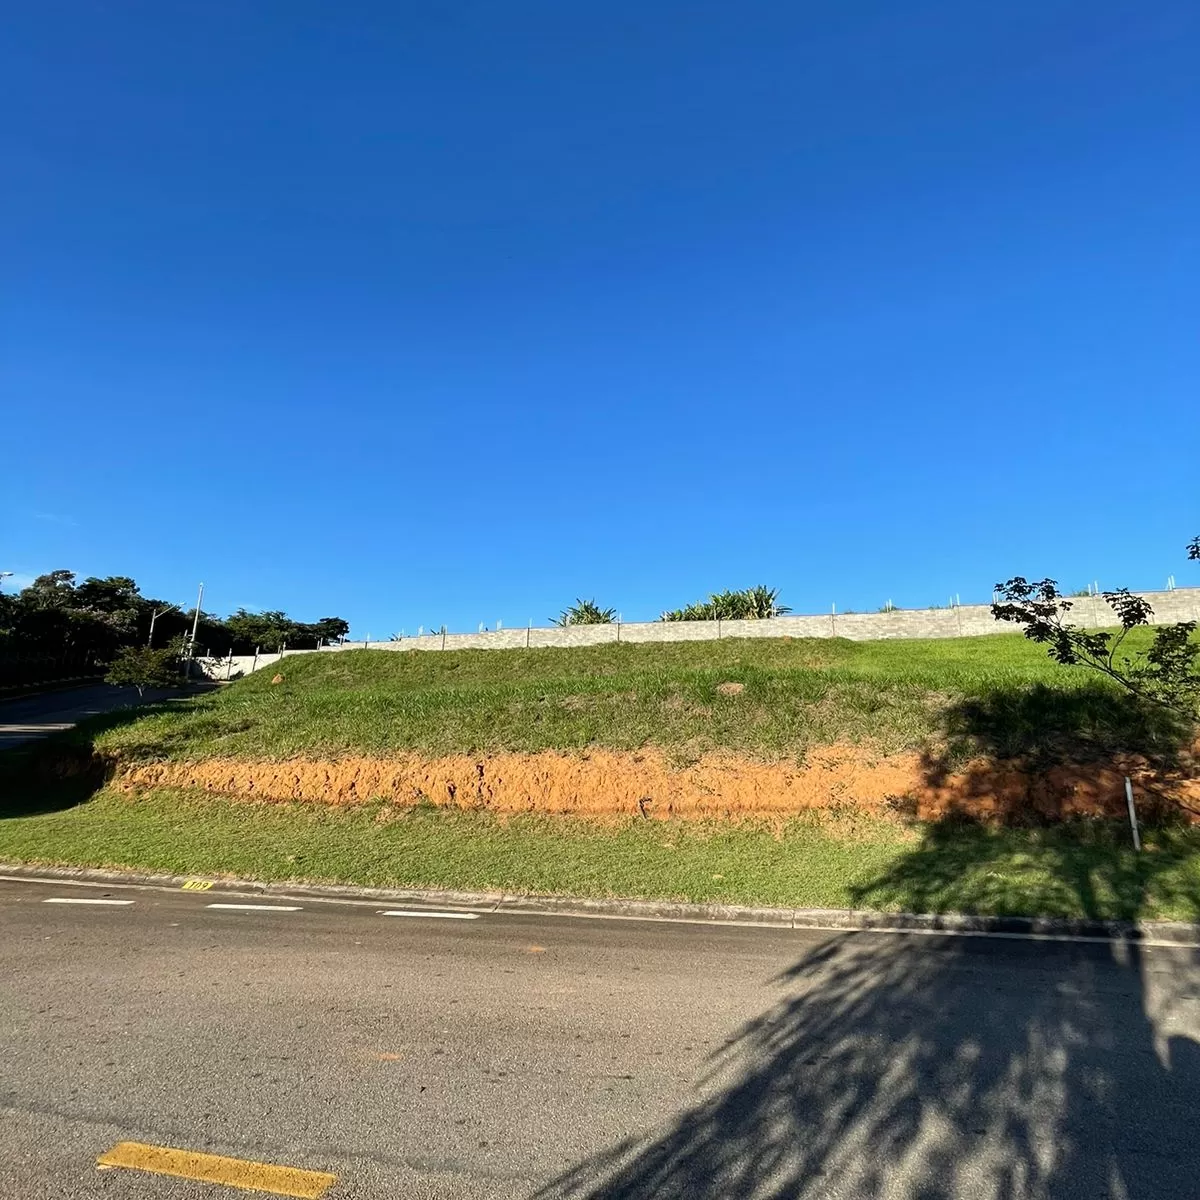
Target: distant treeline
{"x":82,"y":626}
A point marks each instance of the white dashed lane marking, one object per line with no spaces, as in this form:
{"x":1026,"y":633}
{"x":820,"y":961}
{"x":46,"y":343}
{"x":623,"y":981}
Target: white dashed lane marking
{"x":420,"y":912}
{"x":81,"y":900}
{"x":258,"y":907}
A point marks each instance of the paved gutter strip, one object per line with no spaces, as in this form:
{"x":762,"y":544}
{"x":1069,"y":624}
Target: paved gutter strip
{"x":649,"y":910}
{"x":1168,"y":933}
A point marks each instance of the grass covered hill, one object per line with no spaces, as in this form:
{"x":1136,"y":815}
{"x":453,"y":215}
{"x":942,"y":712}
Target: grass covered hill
{"x":611,"y":717}
{"x":997,"y":695}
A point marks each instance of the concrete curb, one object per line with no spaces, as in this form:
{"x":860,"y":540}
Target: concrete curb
{"x":1161,"y":933}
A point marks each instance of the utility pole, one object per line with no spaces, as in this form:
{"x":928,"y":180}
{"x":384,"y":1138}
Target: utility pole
{"x":191,"y":653}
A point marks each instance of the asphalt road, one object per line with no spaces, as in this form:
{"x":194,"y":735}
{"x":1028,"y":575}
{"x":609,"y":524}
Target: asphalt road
{"x":30,"y":717}
{"x":560,"y":1058}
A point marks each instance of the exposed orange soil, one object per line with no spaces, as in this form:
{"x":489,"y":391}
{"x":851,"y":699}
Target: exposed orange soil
{"x":611,"y":783}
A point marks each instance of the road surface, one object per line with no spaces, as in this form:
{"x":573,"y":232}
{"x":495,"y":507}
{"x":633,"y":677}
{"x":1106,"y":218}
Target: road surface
{"x":425,"y":1057}
{"x":30,"y":717}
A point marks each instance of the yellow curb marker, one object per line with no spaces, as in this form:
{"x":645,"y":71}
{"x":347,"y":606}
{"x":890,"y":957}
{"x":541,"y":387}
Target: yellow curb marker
{"x":196,"y":885}
{"x":213,"y":1168}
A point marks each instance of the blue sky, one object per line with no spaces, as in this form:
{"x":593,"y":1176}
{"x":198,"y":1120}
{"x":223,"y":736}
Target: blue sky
{"x":417,"y":312}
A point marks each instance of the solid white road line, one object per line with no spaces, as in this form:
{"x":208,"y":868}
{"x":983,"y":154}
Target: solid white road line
{"x":420,"y":912}
{"x":81,"y":900}
{"x":258,"y":907}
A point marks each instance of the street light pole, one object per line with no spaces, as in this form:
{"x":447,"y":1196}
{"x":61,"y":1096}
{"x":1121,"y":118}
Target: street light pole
{"x":158,"y":612}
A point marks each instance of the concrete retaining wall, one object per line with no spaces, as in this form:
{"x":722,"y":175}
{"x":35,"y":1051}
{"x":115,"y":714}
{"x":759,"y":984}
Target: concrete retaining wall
{"x":968,"y":620}
{"x":237,"y":665}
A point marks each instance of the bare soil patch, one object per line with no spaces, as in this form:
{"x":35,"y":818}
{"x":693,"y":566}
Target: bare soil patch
{"x":605,"y":783}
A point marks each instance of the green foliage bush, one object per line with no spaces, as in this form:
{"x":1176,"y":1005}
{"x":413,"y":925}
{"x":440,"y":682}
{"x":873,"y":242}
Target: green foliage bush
{"x":750,"y":604}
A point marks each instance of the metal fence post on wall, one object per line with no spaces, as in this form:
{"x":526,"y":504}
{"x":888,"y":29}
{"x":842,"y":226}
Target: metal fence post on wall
{"x":528,"y":632}
{"x":443,"y":637}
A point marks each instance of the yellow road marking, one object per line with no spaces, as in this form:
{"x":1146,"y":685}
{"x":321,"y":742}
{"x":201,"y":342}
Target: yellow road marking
{"x":197,"y":885}
{"x":213,"y":1168}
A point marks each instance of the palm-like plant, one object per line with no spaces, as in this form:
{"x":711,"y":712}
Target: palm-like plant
{"x":701,"y":611}
{"x":585,"y":612}
{"x":764,"y":603}
{"x":749,"y":604}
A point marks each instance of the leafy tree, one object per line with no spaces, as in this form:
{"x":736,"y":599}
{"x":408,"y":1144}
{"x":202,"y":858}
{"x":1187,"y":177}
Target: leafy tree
{"x":55,"y":589}
{"x":112,"y":594}
{"x":9,"y":609}
{"x":270,"y":630}
{"x":50,"y":617}
{"x":585,"y":612}
{"x":1168,"y":673}
{"x":213,"y":636}
{"x":750,"y":604}
{"x":142,"y":668}
{"x":117,"y":600}
{"x":332,"y":629}
{"x":82,"y":626}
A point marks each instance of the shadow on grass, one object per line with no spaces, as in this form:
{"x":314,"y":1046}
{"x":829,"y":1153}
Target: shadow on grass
{"x":1037,"y":754}
{"x":1083,"y":866}
{"x":63,"y":770}
{"x":1046,"y":726}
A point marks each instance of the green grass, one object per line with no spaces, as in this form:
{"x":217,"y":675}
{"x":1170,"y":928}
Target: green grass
{"x":797,"y":694}
{"x":952,"y":699}
{"x":1081,"y":870}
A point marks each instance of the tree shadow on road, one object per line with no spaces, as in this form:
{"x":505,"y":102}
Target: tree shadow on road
{"x":932,"y":1068}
